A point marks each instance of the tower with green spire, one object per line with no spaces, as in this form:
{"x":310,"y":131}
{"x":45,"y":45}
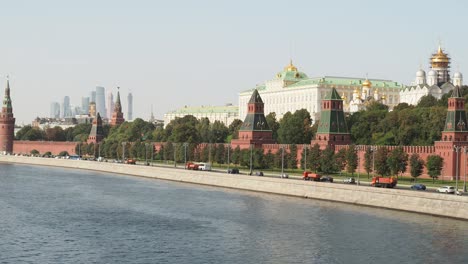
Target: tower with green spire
{"x":7,"y":123}
{"x":117,"y":115}
{"x":454,"y":135}
{"x":254,"y":130}
{"x":96,"y":135}
{"x":332,"y":129}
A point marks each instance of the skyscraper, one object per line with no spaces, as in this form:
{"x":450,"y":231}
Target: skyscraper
{"x":66,"y":111}
{"x":92,"y":96}
{"x":84,"y":105}
{"x":54,"y":110}
{"x":130,"y":107}
{"x":101,"y":101}
{"x":109,"y":104}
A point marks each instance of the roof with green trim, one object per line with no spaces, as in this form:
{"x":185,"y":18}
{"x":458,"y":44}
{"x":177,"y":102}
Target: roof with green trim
{"x":206,"y":109}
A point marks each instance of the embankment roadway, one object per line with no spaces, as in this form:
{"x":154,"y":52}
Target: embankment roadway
{"x":412,"y":201}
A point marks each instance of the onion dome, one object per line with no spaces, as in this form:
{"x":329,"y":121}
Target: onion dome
{"x":290,"y":67}
{"x":440,"y":59}
{"x":367,"y":83}
{"x":432,"y":73}
{"x":457,"y":75}
{"x":421,"y":73}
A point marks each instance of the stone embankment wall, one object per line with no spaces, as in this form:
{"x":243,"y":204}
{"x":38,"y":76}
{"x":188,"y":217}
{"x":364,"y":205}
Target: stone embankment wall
{"x":412,"y":201}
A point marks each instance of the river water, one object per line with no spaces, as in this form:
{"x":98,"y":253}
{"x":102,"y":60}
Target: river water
{"x":56,"y":215}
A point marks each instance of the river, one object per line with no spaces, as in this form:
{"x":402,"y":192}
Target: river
{"x":57,"y":215}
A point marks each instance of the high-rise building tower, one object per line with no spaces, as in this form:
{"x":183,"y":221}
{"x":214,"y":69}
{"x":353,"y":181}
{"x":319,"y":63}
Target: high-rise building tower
{"x":117,"y":115}
{"x":110,"y":104}
{"x":92,"y":109}
{"x":84,"y":105}
{"x":7,"y":123}
{"x":66,"y":110}
{"x":130,"y":107}
{"x":92,"y":96}
{"x":54,"y":110}
{"x":101,"y":101}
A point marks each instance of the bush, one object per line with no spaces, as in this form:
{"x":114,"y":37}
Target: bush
{"x":63,"y":153}
{"x":34,"y":152}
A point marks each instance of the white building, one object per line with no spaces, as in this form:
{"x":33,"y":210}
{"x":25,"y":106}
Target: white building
{"x":436,"y":83}
{"x":225,"y":114}
{"x":293,"y":90}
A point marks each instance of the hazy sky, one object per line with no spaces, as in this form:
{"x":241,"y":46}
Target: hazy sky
{"x":175,"y":53}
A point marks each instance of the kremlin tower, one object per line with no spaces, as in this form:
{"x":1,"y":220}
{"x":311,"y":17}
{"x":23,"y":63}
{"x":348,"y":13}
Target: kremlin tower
{"x":117,"y":115}
{"x":96,"y":135}
{"x":7,"y":123}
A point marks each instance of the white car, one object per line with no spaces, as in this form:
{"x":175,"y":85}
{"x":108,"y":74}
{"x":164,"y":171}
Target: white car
{"x":446,"y":189}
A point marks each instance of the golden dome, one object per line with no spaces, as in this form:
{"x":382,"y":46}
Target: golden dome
{"x":366,"y":83}
{"x":356,"y":90}
{"x":440,"y":58}
{"x":290,"y":67}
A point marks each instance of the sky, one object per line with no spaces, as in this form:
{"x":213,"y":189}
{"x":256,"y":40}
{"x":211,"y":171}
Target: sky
{"x":175,"y":53}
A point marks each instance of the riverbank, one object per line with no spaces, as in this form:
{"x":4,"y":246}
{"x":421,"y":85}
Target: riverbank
{"x":412,"y":201}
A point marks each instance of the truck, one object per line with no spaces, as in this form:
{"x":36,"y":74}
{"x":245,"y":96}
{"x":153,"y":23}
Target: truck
{"x":384,"y":182}
{"x":191,"y":166}
{"x":205,"y":166}
{"x":309,"y":176}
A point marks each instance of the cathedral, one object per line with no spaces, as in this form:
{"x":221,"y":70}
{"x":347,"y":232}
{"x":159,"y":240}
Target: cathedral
{"x":437,"y":82}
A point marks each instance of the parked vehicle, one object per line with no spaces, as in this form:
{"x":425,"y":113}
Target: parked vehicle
{"x":233,"y":171}
{"x":204,"y":166}
{"x":349,"y":180}
{"x":418,"y":187}
{"x":309,"y":176}
{"x":384,"y":182}
{"x":191,"y":166}
{"x":130,"y":161}
{"x":446,"y":189}
{"x":284,"y":176}
{"x":326,"y":179}
{"x":259,"y":173}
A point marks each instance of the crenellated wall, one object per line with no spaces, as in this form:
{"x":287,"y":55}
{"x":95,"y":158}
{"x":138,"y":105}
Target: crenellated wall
{"x":55,"y":147}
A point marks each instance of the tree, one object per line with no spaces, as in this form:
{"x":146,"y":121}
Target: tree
{"x":427,"y":101}
{"x":340,"y":159}
{"x":219,"y":132}
{"x":292,"y":157}
{"x":295,"y":128}
{"x":327,"y":161}
{"x":381,"y":164}
{"x":234,"y":129}
{"x":273,"y":124}
{"x":351,"y":159}
{"x":236,"y":155}
{"x":434,"y":166}
{"x":313,"y":159}
{"x":368,"y":156}
{"x":416,"y":166}
{"x":397,"y":161}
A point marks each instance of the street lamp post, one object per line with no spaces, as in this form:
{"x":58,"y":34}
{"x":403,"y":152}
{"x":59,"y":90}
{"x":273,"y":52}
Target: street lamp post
{"x":146,"y":154}
{"x":185,"y":153}
{"x":359,"y":165}
{"x":305,"y":157}
{"x":251,"y":153}
{"x":373,"y":149}
{"x":282,"y":161}
{"x":228,"y":160}
{"x":465,"y":150}
{"x":99,"y":155}
{"x":123,"y":151}
{"x":457,"y":149}
{"x":152,"y":152}
{"x":175,"y":148}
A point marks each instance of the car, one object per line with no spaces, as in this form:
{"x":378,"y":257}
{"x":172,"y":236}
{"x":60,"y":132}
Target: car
{"x":418,"y":187}
{"x":233,"y":171}
{"x":284,"y":175}
{"x":446,"y":189}
{"x":349,"y":180}
{"x":326,"y":179}
{"x":259,"y":173}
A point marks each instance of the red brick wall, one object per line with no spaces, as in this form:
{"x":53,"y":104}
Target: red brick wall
{"x":55,"y":147}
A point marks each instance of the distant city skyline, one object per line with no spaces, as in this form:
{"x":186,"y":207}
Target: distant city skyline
{"x":172,"y":54}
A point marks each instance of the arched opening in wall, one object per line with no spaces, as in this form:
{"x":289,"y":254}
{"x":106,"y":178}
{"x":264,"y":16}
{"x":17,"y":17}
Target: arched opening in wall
{"x":342,"y":138}
{"x":445,"y":138}
{"x":450,"y":138}
{"x":334,"y":138}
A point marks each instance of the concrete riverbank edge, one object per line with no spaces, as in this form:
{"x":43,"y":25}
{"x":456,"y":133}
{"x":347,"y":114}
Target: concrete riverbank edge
{"x":412,"y":201}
